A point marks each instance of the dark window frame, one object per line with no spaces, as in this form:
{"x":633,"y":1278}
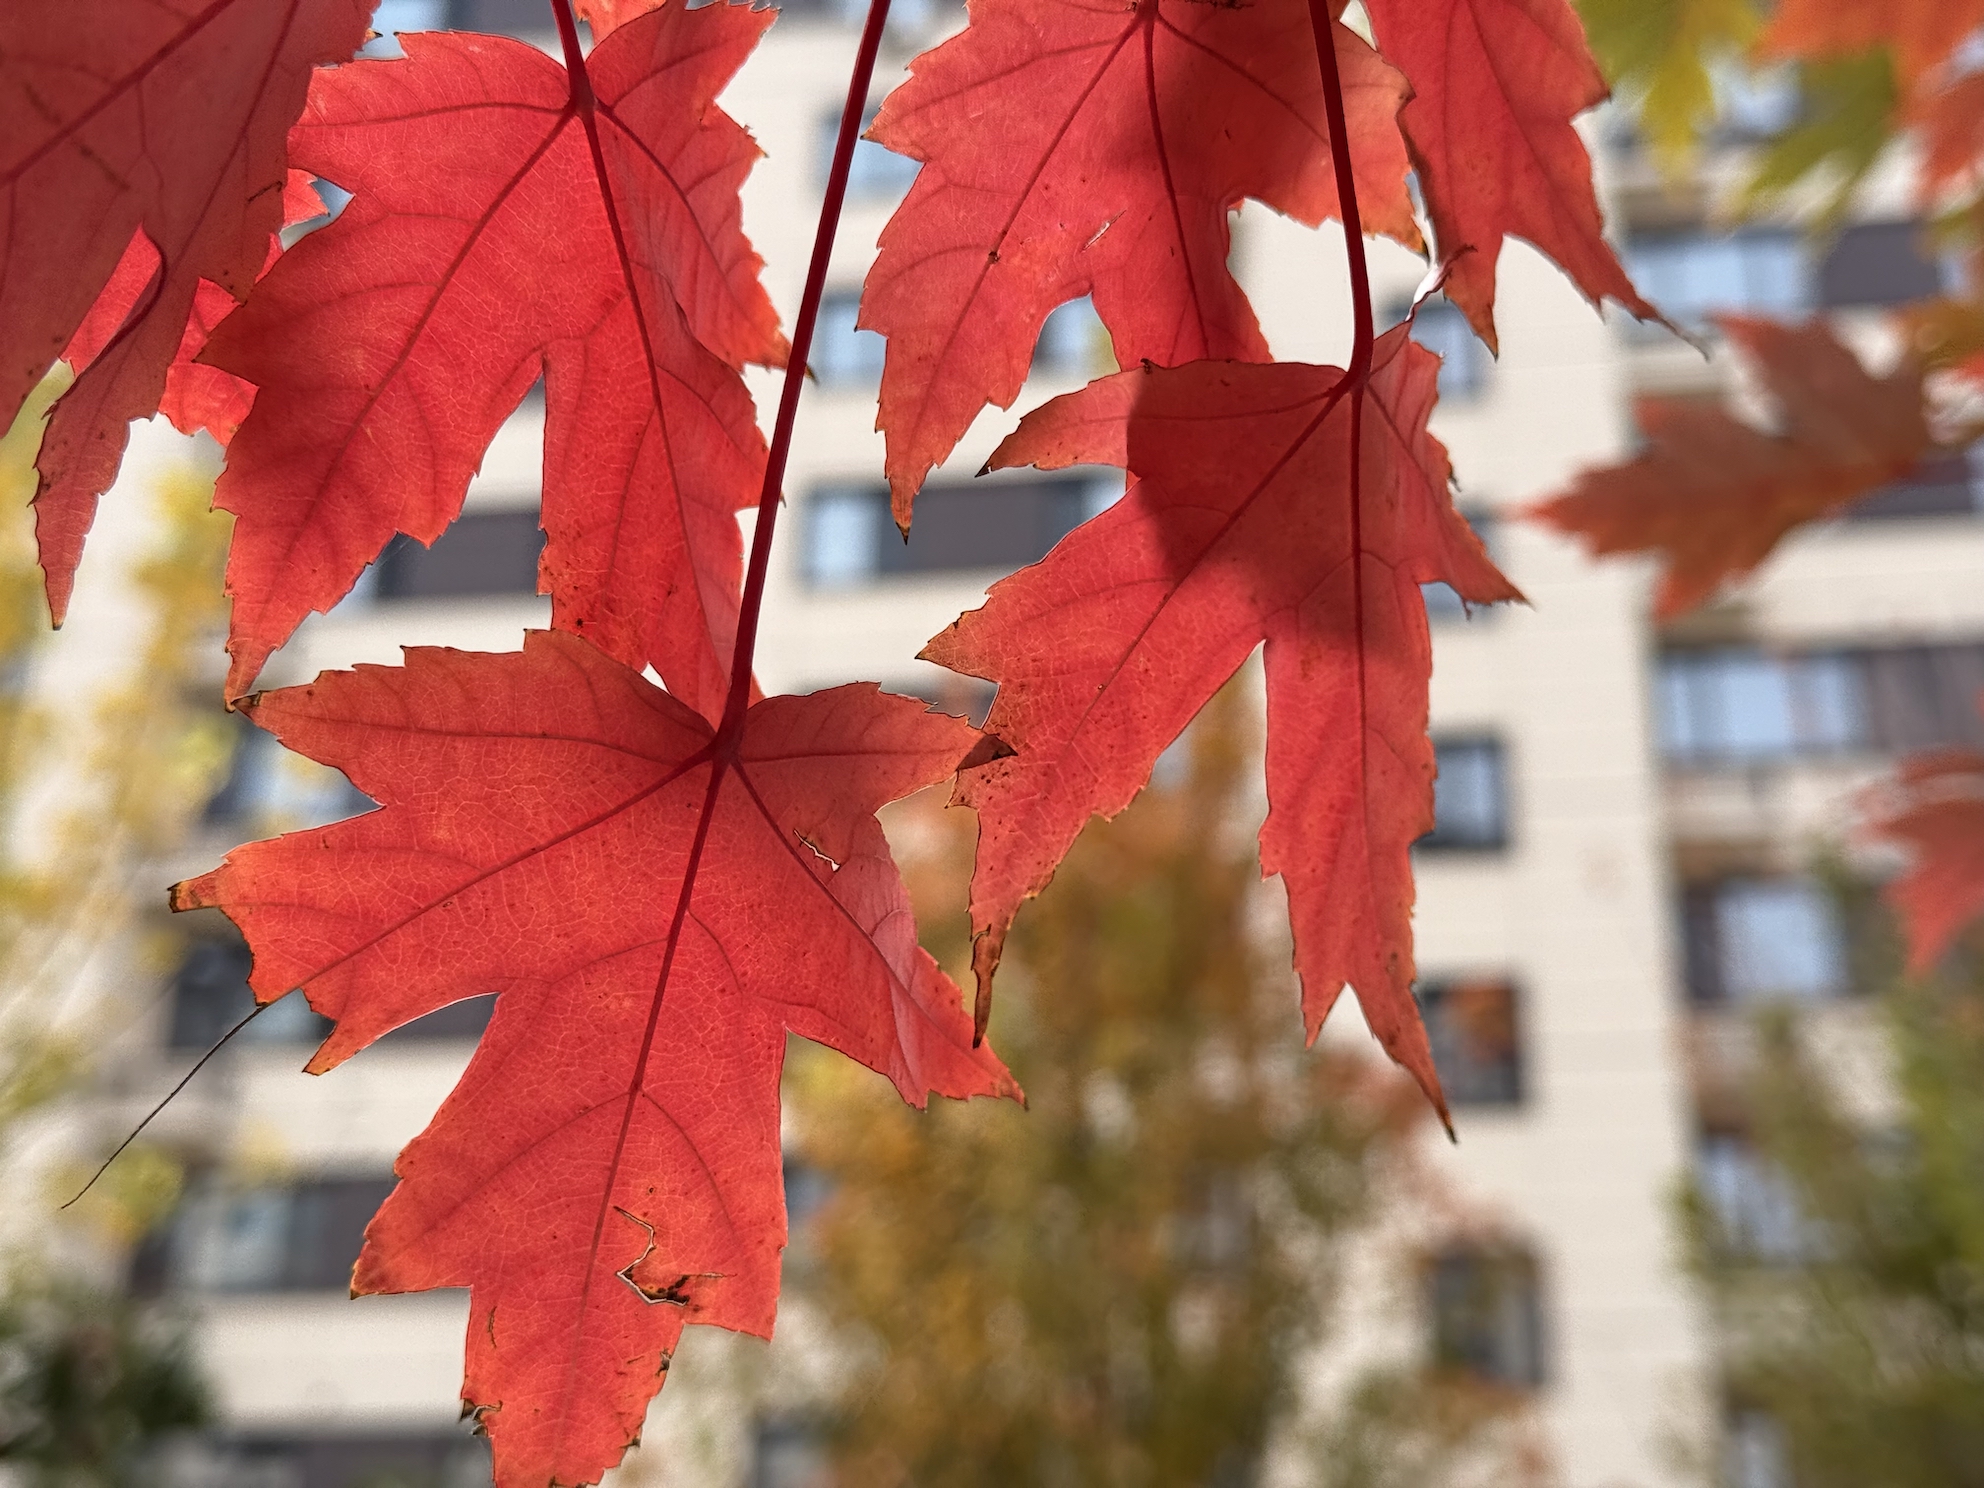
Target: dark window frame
{"x":1477,"y":1048}
{"x":962,"y":527}
{"x":1505,"y":1340}
{"x":1453,"y":839}
{"x":484,"y":554}
{"x":1706,"y":956}
{"x":1444,"y":606}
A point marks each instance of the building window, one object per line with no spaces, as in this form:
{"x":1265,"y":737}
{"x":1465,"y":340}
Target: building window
{"x":876,"y":173}
{"x":496,"y":17}
{"x":269,"y":789}
{"x":1476,"y":1038}
{"x":210,"y":995}
{"x":1443,"y":605}
{"x":1753,"y":1206}
{"x":788,"y":1454}
{"x":1487,"y":1315}
{"x":301,"y":1237}
{"x":1442,"y":328}
{"x":442,"y":1459}
{"x":1692,"y":276}
{"x":1073,"y":341}
{"x":997,"y":525}
{"x":844,"y":355}
{"x":458,"y":1020}
{"x":1470,"y":805}
{"x":1755,"y":1452}
{"x":1940,"y":486}
{"x":1752,"y":940}
{"x":1753,"y":104}
{"x":1736,"y":705}
{"x":1878,"y":263}
{"x":480,"y":554}
{"x":1923,"y":697}
{"x":394,"y":16}
{"x":1741,"y":704}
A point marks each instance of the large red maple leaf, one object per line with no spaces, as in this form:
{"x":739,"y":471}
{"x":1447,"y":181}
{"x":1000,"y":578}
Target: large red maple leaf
{"x":1934,"y":808}
{"x":1073,"y":149}
{"x":505,"y":222}
{"x":608,"y":1168}
{"x":1713,"y":496}
{"x":1495,"y":85}
{"x":118,"y":119}
{"x":1244,"y":525}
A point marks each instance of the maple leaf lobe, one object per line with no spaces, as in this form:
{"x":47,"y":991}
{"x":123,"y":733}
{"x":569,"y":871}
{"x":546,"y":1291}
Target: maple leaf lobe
{"x":1934,"y":808}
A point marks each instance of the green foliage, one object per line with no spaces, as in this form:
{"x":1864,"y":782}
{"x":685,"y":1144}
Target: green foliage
{"x":1663,"y":57}
{"x":1848,"y":118}
{"x":87,"y":1384}
{"x":1115,"y":1287}
{"x":1663,"y":54}
{"x":88,"y":1379}
{"x":1866,"y":1342}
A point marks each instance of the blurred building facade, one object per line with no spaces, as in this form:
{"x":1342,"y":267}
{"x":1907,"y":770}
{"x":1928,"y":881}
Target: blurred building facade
{"x":1628,"y":816}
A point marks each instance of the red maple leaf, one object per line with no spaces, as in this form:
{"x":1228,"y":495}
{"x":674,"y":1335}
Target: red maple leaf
{"x":1073,"y":149}
{"x":119,"y":119}
{"x":1495,"y":85}
{"x":1241,"y":527}
{"x":505,"y":224}
{"x":1921,"y":33}
{"x":1934,"y":808}
{"x":1950,"y":123}
{"x":608,"y":1168}
{"x":1713,"y":496}
{"x":196,"y":396}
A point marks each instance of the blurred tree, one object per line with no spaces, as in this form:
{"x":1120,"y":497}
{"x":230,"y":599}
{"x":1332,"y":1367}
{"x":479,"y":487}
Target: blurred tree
{"x":1121,"y":1285}
{"x":88,"y":1385}
{"x":1845,"y":1263}
{"x":89,"y":1381}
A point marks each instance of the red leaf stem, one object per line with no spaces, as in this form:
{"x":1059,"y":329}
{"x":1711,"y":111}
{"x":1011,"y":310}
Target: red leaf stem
{"x":1346,"y":194}
{"x":722,"y":748}
{"x":1358,"y":372}
{"x":795,"y":372}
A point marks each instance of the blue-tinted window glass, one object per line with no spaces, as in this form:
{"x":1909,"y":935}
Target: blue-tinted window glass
{"x":1754,"y":103}
{"x":394,"y":16}
{"x":1696,"y":275}
{"x":845,"y":356}
{"x":1751,"y":1201}
{"x":1441,"y":328}
{"x":1779,"y":939}
{"x":844,"y":535}
{"x":1071,"y":341}
{"x":876,"y":173}
{"x":1739,"y":705}
{"x":1756,"y":1453}
{"x":1443,"y":605}
{"x":1469,"y":795}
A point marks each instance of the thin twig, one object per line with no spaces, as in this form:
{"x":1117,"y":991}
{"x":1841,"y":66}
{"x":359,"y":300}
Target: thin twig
{"x":184,"y":1081}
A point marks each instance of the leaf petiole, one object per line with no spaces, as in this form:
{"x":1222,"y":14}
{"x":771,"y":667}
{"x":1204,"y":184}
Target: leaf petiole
{"x":795,"y":370}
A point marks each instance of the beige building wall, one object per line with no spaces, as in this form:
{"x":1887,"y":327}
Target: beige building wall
{"x":1577,"y":910}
